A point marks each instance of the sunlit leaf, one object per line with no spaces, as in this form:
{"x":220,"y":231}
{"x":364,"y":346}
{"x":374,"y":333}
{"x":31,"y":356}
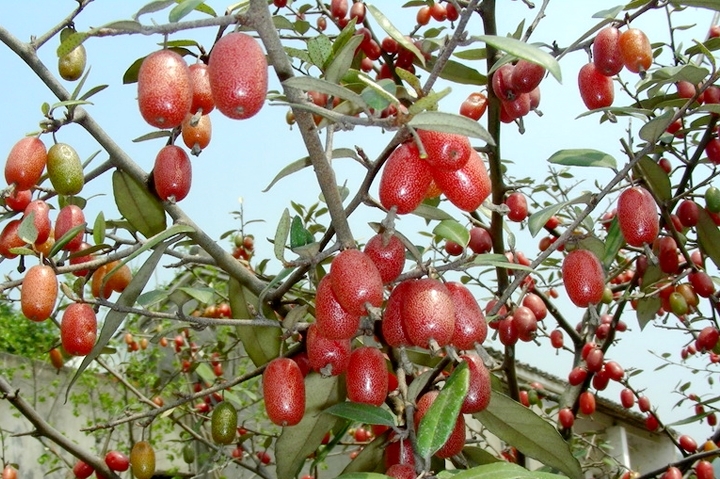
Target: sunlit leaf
{"x":582,"y":157}
{"x":524,"y":50}
{"x":203,"y":295}
{"x":498,"y":261}
{"x":378,"y":94}
{"x":66,"y":238}
{"x":394,"y":33}
{"x":281,"y":235}
{"x":99,"y":228}
{"x":529,"y":433}
{"x":609,"y":13}
{"x":537,"y":220}
{"x":183,"y":9}
{"x":652,"y":130}
{"x":261,"y":343}
{"x":453,"y":231}
{"x":473,"y":54}
{"x":340,"y":64}
{"x":451,"y":123}
{"x":27,"y":230}
{"x":613,"y":242}
{"x":362,"y":413}
{"x":306,"y":83}
{"x":319,"y":49}
{"x":431,"y":213}
{"x":71,"y":42}
{"x":429,"y":102}
{"x":142,"y":209}
{"x":153,"y":7}
{"x":456,"y":72}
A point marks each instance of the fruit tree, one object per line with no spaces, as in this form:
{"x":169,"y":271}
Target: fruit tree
{"x":427,"y":237}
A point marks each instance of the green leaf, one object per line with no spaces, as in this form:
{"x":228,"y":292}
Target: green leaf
{"x":92,"y":91}
{"x":116,"y":317}
{"x":370,"y":458}
{"x":306,"y":83}
{"x":206,"y":374}
{"x":394,"y":33}
{"x":183,"y":9}
{"x":66,"y":238}
{"x":281,"y":235}
{"x":429,"y":102}
{"x":439,"y":420}
{"x":297,"y":442}
{"x":537,"y":220}
{"x":298,"y":233}
{"x":583,"y":157}
{"x":153,"y":135}
{"x":709,"y":236}
{"x":453,"y":231}
{"x":655,"y":177}
{"x":458,"y":73}
{"x":498,"y":261}
{"x":477,"y":456}
{"x":27,"y":230}
{"x":131,"y":74}
{"x":652,"y":130}
{"x":142,"y":209}
{"x":451,"y":123}
{"x":71,"y":42}
{"x":473,"y":54}
{"x":505,"y":470}
{"x":705,"y":48}
{"x":610,"y":13}
{"x":412,"y":80}
{"x":526,"y":51}
{"x":431,"y":213}
{"x":362,"y":413}
{"x":203,"y":295}
{"x":613,"y":242}
{"x":648,"y":306}
{"x":261,"y":343}
{"x":341,"y":63}
{"x":153,"y":7}
{"x":152,"y":297}
{"x":298,"y":165}
{"x":319,"y":49}
{"x":709,"y":4}
{"x":99,"y":228}
{"x":529,"y":433}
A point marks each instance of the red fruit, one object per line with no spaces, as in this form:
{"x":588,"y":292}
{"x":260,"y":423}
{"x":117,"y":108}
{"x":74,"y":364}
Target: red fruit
{"x":357,"y":11}
{"x":18,"y":199}
{"x":172,"y":173}
{"x":467,"y":187}
{"x":428,"y":312}
{"x":667,"y":254}
{"x":688,"y":212}
{"x":587,"y":403}
{"x":164,"y":89}
{"x":606,"y":52}
{"x":577,"y":376}
{"x":401,"y":471}
{"x":536,"y":305}
{"x":702,"y":283}
{"x":474,"y":106}
{"x":644,"y":403}
{"x":39,"y":292}
{"x":456,"y":441}
{"x":600,"y":380}
{"x":516,"y":108}
{"x":356,"y":281}
{"x":445,"y":150}
{"x":665,"y":165}
{"x":327,"y":355}
{"x":637,"y":216}
{"x":526,"y":76}
{"x":405,"y":179}
{"x":480,"y":240}
{"x":388,"y":258}
{"x":82,"y":470}
{"x":399,"y":452}
{"x":423,"y":15}
{"x":627,"y":398}
{"x":636,"y":50}
{"x":557,"y":338}
{"x":687,"y":443}
{"x":393,"y":328}
{"x":284,"y":392}
{"x":712,"y":150}
{"x":25,"y":163}
{"x":685,"y":89}
{"x":238,"y":74}
{"x":117,"y":461}
{"x":263,"y":456}
{"x":566,"y":417}
{"x":707,"y":338}
{"x":596,"y":89}
{"x":479,"y":386}
{"x":704,"y":470}
{"x":583,"y":278}
{"x":711,"y":95}
{"x":438,"y":11}
{"x":202,"y":95}
{"x":502,"y":84}
{"x":507,"y":331}
{"x":517,"y":203}
{"x":199,"y":134}
{"x":9,"y":472}
{"x":68,"y":218}
{"x":594,"y":360}
{"x":470,"y":326}
{"x":651,"y":423}
{"x":78,"y":329}
{"x":452,"y":13}
{"x":362,"y":435}
{"x":714,"y":31}
{"x":332,"y":321}
{"x":338,"y":8}
{"x":366,"y":377}
{"x":614,"y":370}
{"x":453,"y":249}
{"x":672,"y":473}
{"x":525,"y":323}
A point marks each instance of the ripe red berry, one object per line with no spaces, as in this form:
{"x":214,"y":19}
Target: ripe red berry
{"x":688,"y":212}
{"x":614,"y":370}
{"x":557,"y":338}
{"x":470,"y":326}
{"x":480,"y":240}
{"x":428,"y":312}
{"x":78,"y":329}
{"x":339,"y":8}
{"x":526,"y":76}
{"x":517,"y":203}
{"x":238,"y":74}
{"x":594,"y":360}
{"x":637,"y":216}
{"x":393,"y":327}
{"x":525,"y":323}
{"x":502,"y":83}
{"x":82,"y":470}
{"x":474,"y":106}
{"x":423,"y":15}
{"x":577,"y":376}
{"x":172,"y":173}
{"x":405,"y":179}
{"x":566,"y":417}
{"x":445,"y":150}
{"x":583,"y":278}
{"x":536,"y":305}
{"x":356,"y":281}
{"x":68,"y":218}
{"x":712,"y":150}
{"x":587,"y":403}
{"x":704,"y":470}
{"x":18,"y":199}
{"x":627,"y":398}
{"x":651,"y":422}
{"x":466,"y":187}
{"x":38,"y":293}
{"x":479,"y":386}
{"x":25,"y":163}
{"x":388,"y":258}
{"x":644,"y":403}
{"x":707,"y":338}
{"x":199,"y":134}
{"x":438,"y":11}
{"x":332,"y":321}
{"x":687,"y":443}
{"x":401,"y":471}
{"x":606,"y":52}
{"x":367,"y":376}
{"x":596,"y":89}
{"x":164,"y":89}
{"x":327,"y":355}
{"x":284,"y":392}
{"x":117,"y":461}
{"x":702,"y":283}
{"x":672,"y":472}
{"x":636,"y":50}
{"x":202,"y":94}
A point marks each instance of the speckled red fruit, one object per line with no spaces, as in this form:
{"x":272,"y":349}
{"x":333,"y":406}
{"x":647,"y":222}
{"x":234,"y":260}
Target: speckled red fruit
{"x":525,"y":323}
{"x":401,"y":471}
{"x":339,"y":8}
{"x":456,"y":441}
{"x":25,"y":163}
{"x":479,"y":386}
{"x":356,"y":281}
{"x":9,"y":239}
{"x":69,"y":217}
{"x":18,"y":199}
{"x":284,"y":392}
{"x":164,"y":89}
{"x":466,"y":187}
{"x":393,"y":328}
{"x":41,"y":212}
{"x":324,"y":354}
{"x":606,"y":51}
{"x":445,"y":150}
{"x":596,"y":89}
{"x":583,"y":277}
{"x":526,"y":76}
{"x":502,"y":83}
{"x":389,"y":258}
{"x":399,"y":451}
{"x":636,"y":50}
{"x":172,"y":173}
{"x":518,"y":208}
{"x":332,"y":321}
{"x":470,"y":325}
{"x":702,"y":283}
{"x":474,"y":106}
{"x":566,"y":417}
{"x":366,"y":377}
{"x":667,"y":254}
{"x":39,"y":292}
{"x":637,"y":216}
{"x":78,"y":329}
{"x":117,"y":461}
{"x":480,"y":240}
{"x":238,"y":74}
{"x":202,"y":94}
{"x":536,"y":305}
{"x":428,"y":313}
{"x":688,"y":212}
{"x":405,"y":179}
{"x":82,"y":470}
{"x":200,"y":134}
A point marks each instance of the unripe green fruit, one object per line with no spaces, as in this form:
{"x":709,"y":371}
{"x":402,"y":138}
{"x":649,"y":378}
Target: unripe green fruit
{"x":678,"y":304}
{"x":188,"y":454}
{"x":65,"y":169}
{"x":224,"y":423}
{"x":72,"y":65}
{"x":712,"y":199}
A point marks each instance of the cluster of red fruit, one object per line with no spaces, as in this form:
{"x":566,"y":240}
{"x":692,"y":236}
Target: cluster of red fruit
{"x":142,"y":461}
{"x":172,"y":95}
{"x":612,"y":51}
{"x":446,"y":164}
{"x":518,"y":88}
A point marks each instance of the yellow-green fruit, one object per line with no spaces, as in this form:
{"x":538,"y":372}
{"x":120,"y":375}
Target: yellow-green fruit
{"x":72,"y":65}
{"x":712,"y":199}
{"x":65,"y":169}
{"x":142,"y":460}
{"x":224,"y":423}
